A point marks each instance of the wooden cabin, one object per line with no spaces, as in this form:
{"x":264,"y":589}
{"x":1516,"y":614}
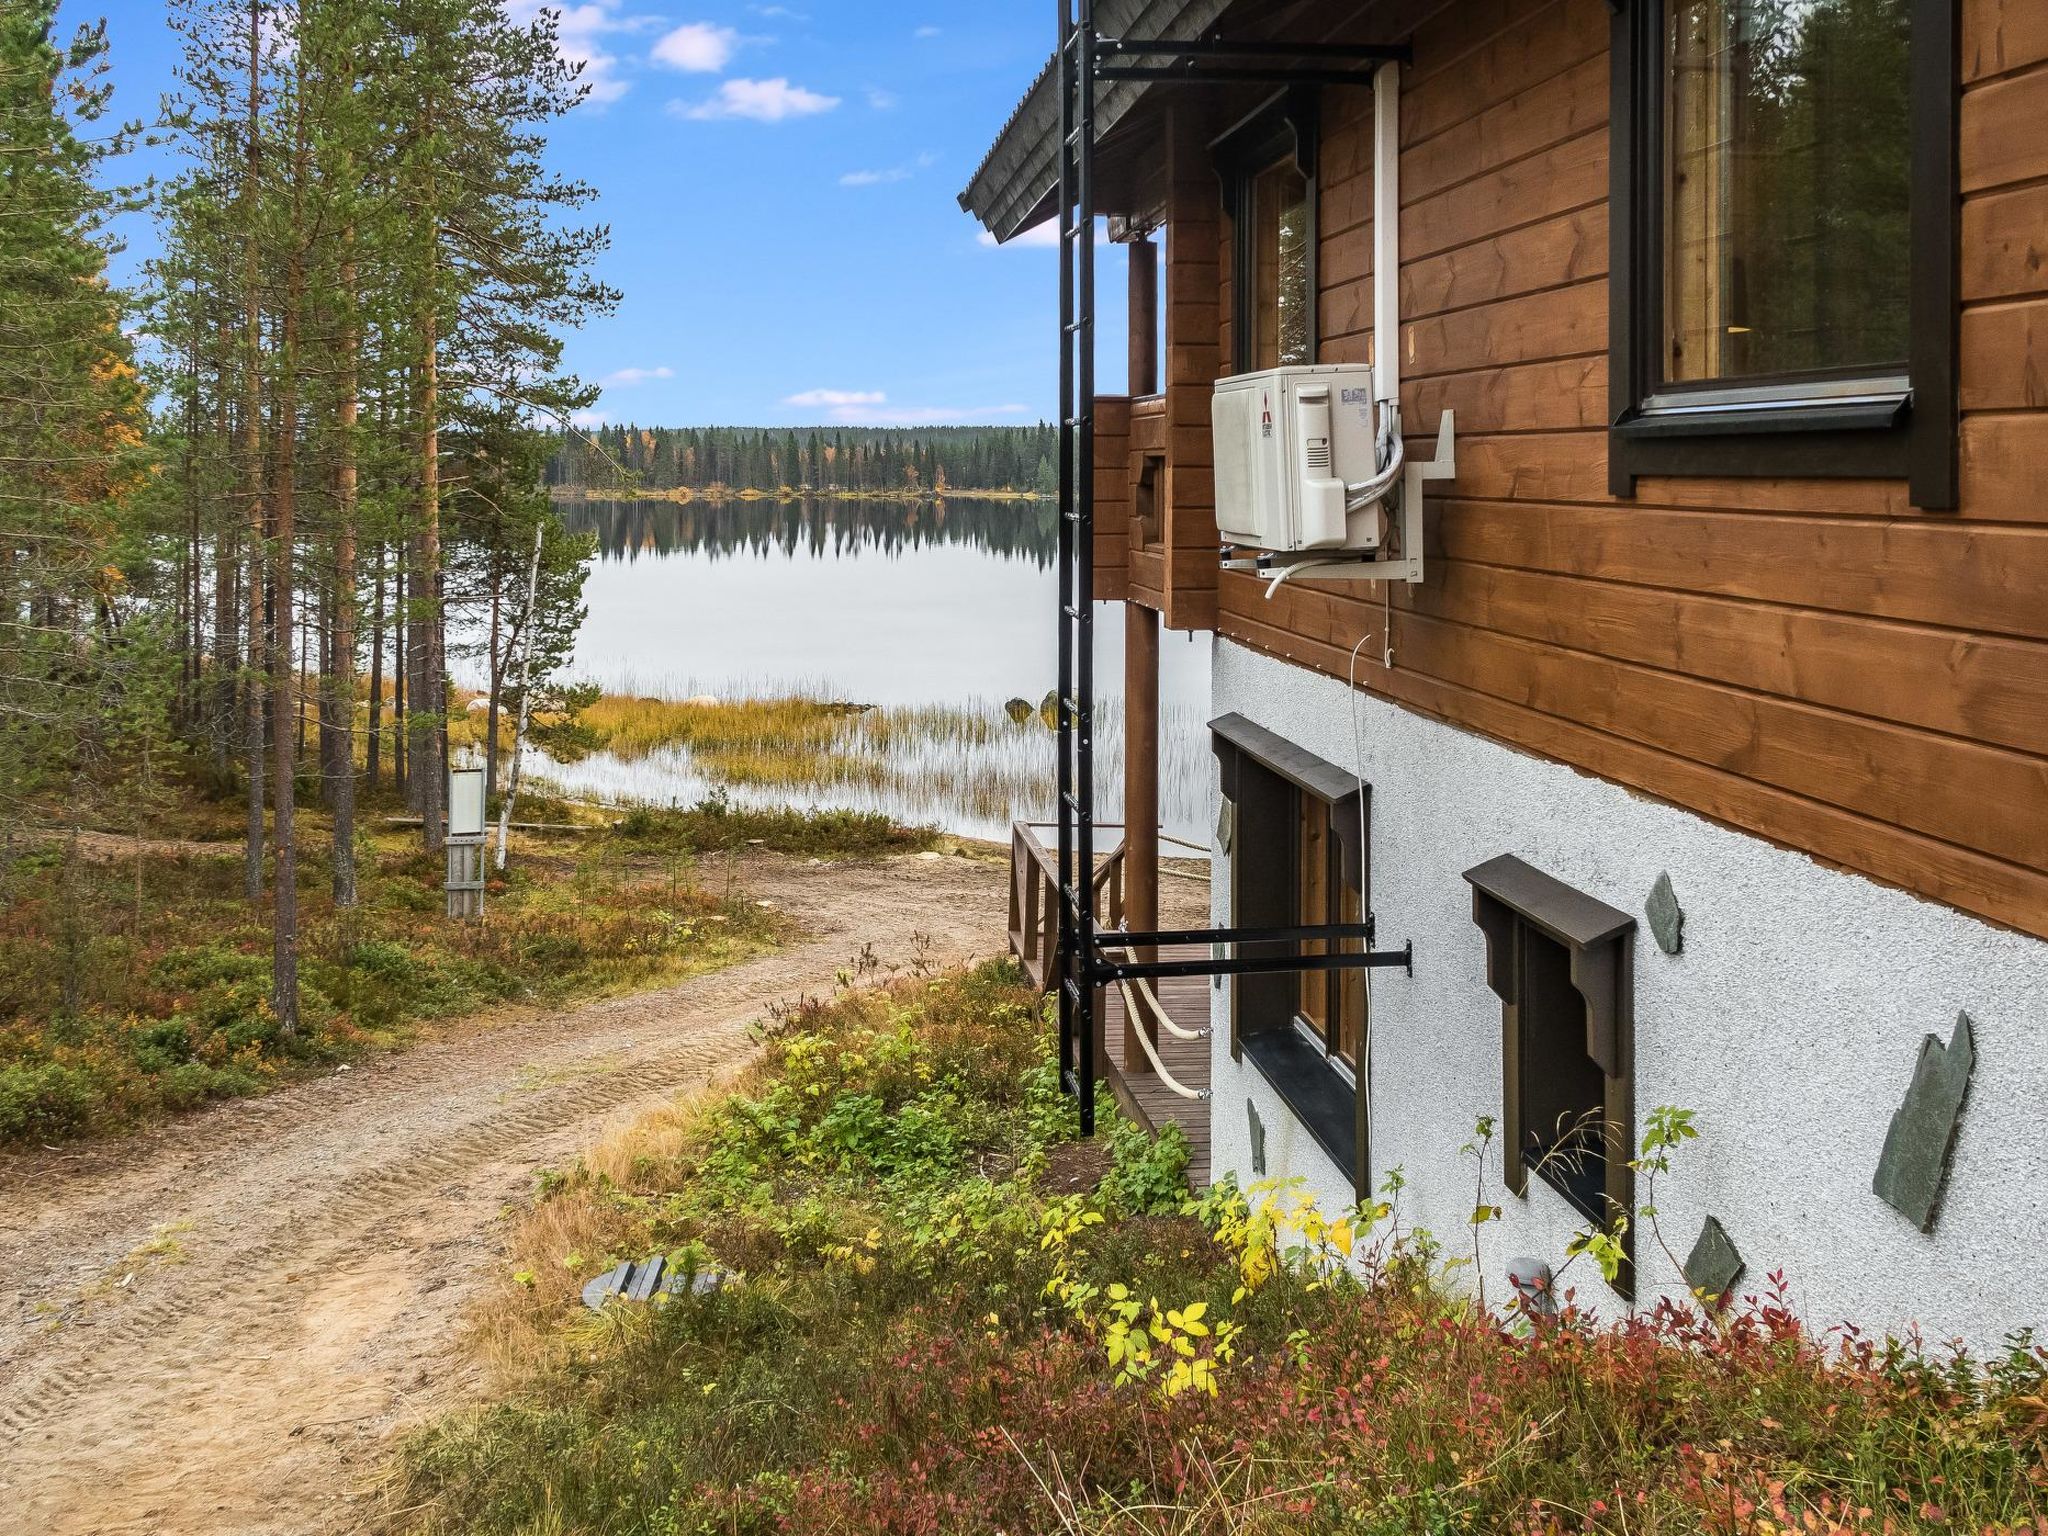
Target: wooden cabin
{"x":1707,"y":764}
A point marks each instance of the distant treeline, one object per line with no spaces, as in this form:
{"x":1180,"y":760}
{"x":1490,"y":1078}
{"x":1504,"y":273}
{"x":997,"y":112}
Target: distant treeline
{"x":625,"y":530}
{"x":921,"y":460}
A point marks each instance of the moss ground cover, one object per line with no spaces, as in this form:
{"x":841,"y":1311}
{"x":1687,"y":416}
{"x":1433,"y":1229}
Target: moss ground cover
{"x":930,"y":1334}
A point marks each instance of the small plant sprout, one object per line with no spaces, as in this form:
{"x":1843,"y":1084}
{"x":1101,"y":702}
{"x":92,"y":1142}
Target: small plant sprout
{"x":1668,"y":1129}
{"x":1483,"y":1211}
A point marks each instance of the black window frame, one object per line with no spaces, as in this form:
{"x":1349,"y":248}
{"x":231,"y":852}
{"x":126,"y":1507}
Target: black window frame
{"x":1882,"y":435}
{"x":1515,"y":905}
{"x":1264,"y":777}
{"x":1287,"y":125}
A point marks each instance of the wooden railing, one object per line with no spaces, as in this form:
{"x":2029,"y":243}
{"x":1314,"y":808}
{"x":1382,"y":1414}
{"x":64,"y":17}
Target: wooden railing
{"x":1035,"y":897}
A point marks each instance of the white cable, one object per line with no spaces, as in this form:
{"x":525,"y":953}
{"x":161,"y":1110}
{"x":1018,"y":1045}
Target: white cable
{"x":1358,"y":763}
{"x":1383,"y":482}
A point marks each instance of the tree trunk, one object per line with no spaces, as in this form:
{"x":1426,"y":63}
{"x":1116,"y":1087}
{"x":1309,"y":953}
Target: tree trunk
{"x":284,"y":931}
{"x":373,"y":746}
{"x":401,"y":664}
{"x":251,"y":455}
{"x":431,"y":706}
{"x":341,"y":788}
{"x":491,"y":706}
{"x":528,"y":630}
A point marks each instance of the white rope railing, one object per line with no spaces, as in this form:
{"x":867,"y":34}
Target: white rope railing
{"x":1173,"y":1084}
{"x":1153,"y":1006}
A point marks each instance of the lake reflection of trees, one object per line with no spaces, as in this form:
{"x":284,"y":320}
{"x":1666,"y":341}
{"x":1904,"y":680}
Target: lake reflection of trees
{"x":626,"y":530}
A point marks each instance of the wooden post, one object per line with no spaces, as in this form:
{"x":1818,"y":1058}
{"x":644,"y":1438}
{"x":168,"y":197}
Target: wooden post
{"x":1144,"y":322}
{"x":1141,"y":798}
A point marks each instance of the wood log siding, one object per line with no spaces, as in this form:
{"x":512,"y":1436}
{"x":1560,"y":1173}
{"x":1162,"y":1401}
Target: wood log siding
{"x":1811,"y":661}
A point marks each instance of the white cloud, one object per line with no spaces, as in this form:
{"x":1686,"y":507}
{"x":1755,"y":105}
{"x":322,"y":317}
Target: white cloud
{"x":837,"y":397}
{"x":625,"y":378}
{"x":894,"y":173}
{"x":589,"y":421}
{"x":871,"y":408}
{"x":697,"y":48}
{"x":880,"y":100}
{"x":577,"y":33}
{"x":760,"y":101}
{"x":926,"y":32}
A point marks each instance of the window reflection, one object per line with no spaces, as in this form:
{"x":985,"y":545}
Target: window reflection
{"x":1786,"y":179}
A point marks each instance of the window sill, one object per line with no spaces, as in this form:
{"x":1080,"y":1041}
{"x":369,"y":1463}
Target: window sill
{"x":1871,"y":413}
{"x":1867,"y":439}
{"x":1315,"y":1091}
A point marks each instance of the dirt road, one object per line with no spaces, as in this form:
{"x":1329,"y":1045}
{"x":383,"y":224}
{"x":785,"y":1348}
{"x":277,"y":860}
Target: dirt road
{"x":217,"y":1327}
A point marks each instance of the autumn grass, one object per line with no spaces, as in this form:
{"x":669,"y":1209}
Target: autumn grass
{"x":139,"y":983}
{"x":974,"y":757}
{"x":923,"y":1335}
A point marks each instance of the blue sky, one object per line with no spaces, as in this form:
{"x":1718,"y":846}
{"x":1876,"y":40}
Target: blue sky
{"x":780,"y":182}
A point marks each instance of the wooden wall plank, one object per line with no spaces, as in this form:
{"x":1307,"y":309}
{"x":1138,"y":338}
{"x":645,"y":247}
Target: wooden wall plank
{"x":2003,"y":35}
{"x":1992,"y":888}
{"x":2005,"y":357}
{"x":1982,"y":578}
{"x":2003,"y":137}
{"x":2005,"y":242}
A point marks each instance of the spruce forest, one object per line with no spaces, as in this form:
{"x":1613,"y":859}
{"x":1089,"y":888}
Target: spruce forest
{"x":822,"y":460}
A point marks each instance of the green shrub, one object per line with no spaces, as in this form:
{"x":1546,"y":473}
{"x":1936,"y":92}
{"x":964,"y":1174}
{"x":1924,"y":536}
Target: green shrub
{"x":1148,"y":1175}
{"x":45,"y":1101}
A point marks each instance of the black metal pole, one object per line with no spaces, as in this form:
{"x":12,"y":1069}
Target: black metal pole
{"x":1084,"y":563}
{"x":1064,"y":968}
{"x":1259,"y":965}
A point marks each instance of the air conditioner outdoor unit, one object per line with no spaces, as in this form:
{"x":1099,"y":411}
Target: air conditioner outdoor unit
{"x":1289,"y":441}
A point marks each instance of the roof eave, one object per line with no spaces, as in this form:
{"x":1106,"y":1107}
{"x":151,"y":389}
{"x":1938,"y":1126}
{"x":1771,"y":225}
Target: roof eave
{"x":1017,"y":182}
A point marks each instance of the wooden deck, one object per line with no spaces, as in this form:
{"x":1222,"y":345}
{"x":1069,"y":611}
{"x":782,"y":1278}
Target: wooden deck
{"x":1138,"y":1088}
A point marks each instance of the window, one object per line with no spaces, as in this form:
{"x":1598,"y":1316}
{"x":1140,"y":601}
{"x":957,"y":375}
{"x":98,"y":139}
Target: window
{"x":1562,"y":965}
{"x":1784,"y":288}
{"x":1330,"y":1004}
{"x":1298,"y":859}
{"x":1561,"y":1116}
{"x":1279,"y":265}
{"x":1267,"y":163}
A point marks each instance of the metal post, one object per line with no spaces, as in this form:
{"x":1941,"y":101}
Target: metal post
{"x":1076,"y":967}
{"x":1063,"y":968}
{"x":1084,"y":551}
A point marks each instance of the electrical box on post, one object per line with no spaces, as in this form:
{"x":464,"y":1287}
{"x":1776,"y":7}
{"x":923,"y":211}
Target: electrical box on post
{"x":1288,"y":443}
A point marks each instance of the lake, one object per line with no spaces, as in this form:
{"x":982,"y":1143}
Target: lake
{"x":938,"y":614}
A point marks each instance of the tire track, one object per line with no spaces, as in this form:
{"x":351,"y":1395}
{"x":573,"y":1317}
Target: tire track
{"x":328,"y":1237}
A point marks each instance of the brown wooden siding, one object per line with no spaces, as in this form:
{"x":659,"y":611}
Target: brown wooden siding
{"x":1815,"y":661}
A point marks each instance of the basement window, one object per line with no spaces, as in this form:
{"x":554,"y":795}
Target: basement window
{"x":1298,"y":858}
{"x":1562,"y":965}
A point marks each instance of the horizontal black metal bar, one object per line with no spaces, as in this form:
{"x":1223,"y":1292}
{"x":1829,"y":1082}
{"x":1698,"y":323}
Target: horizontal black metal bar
{"x":1256,"y":965}
{"x":1305,"y":933}
{"x":1215,"y":48}
{"x":1170,"y":74}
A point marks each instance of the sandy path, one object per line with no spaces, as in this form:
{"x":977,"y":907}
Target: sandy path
{"x":321,"y":1243}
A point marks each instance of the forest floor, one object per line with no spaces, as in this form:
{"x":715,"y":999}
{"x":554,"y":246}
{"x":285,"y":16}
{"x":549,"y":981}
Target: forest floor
{"x":218,"y":1325}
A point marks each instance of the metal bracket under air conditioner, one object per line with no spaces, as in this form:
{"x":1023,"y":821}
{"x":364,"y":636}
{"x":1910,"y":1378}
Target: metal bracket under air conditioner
{"x":1324,"y":565}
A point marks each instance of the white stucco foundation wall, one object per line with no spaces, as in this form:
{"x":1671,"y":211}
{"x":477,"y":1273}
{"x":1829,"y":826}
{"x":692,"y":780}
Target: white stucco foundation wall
{"x":1790,"y":1022}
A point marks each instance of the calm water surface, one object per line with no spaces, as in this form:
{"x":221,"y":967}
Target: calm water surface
{"x":948,"y":606}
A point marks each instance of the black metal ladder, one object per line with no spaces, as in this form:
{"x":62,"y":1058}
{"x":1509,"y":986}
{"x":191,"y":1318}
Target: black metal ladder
{"x":1085,"y":58}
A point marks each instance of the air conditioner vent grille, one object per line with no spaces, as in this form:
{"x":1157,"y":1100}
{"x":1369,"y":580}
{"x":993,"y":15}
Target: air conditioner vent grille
{"x":1319,"y":457}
